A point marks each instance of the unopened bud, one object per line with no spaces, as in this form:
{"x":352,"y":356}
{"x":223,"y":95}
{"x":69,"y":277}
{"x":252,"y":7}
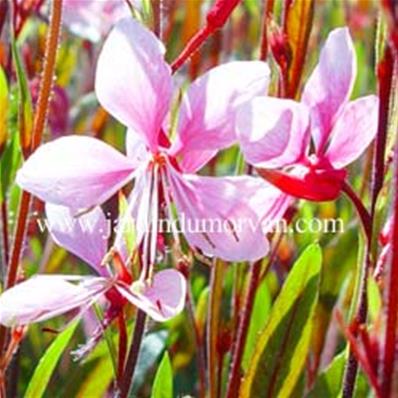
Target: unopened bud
{"x":220,"y":12}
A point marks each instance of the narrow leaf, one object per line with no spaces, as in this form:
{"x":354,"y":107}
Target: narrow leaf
{"x":163,"y":384}
{"x":258,"y":320}
{"x":48,"y":363}
{"x":328,"y":383}
{"x":280,"y":354}
{"x":9,"y":163}
{"x":25,"y":112}
{"x":299,"y":18}
{"x":3,"y":108}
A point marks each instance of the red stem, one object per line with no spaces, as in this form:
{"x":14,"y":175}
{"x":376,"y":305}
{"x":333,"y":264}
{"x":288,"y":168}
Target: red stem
{"x":19,"y":239}
{"x":193,"y":45}
{"x":38,"y":128}
{"x":122,"y":345}
{"x":215,"y":19}
{"x":4,"y":224}
{"x":201,"y":361}
{"x":390,"y":341}
{"x":157,"y":17}
{"x":131,"y":363}
{"x":268,"y":6}
{"x":237,"y":354}
{"x":361,"y":210}
{"x":385,"y":69}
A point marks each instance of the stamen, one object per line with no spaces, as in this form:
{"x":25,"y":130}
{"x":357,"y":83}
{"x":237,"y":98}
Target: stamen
{"x":154,"y":220}
{"x":191,"y":207}
{"x":147,"y":198}
{"x":166,"y":185}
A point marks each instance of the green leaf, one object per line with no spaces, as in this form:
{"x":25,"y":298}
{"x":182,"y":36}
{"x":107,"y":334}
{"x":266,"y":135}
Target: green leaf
{"x":9,"y":164}
{"x":163,"y":384}
{"x":91,"y":387}
{"x":201,"y":310}
{"x":375,"y":301}
{"x":282,"y":348}
{"x":151,"y":349}
{"x":108,"y":339}
{"x":328,"y":383}
{"x":3,"y":108}
{"x":258,"y":320}
{"x":48,"y":363}
{"x":25,"y":116}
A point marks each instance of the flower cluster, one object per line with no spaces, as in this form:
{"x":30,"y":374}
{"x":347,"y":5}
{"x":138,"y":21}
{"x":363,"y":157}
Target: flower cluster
{"x":298,"y":149}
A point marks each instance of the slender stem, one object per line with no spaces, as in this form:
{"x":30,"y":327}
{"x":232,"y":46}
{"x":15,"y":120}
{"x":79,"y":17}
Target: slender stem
{"x":201,"y":361}
{"x":38,"y":127}
{"x":392,"y":300}
{"x":268,"y":6}
{"x":19,"y":239}
{"x":385,"y":69}
{"x":274,"y":252}
{"x":213,"y":323}
{"x":237,"y":354}
{"x":4,"y":224}
{"x":361,"y":210}
{"x":390,"y":339}
{"x":215,"y":19}
{"x":157,"y":6}
{"x":385,"y":75}
{"x":122,"y":346}
{"x":126,"y":382}
{"x":192,"y":46}
{"x":3,"y":13}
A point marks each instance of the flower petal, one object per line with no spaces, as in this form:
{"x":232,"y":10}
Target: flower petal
{"x":329,"y":86}
{"x":136,"y":149}
{"x":215,"y":216}
{"x":208,"y":110}
{"x":85,"y":236}
{"x":163,"y":299}
{"x":133,"y":82}
{"x":353,"y":132}
{"x":75,"y":171}
{"x":46,"y":296}
{"x":301,"y":182}
{"x":273,"y":132}
{"x":91,"y":19}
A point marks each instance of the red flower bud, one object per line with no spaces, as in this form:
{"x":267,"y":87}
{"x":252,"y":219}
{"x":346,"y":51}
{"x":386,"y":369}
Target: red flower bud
{"x":280,"y":47}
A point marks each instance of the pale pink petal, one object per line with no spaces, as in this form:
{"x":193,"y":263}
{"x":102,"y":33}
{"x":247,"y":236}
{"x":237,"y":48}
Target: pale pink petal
{"x":162,"y":298}
{"x":273,"y":132}
{"x":329,"y":86}
{"x":136,"y":148}
{"x":268,"y":202}
{"x":208,"y":110}
{"x":133,"y":82}
{"x":46,"y":296}
{"x":75,"y":171}
{"x":92,"y":19}
{"x":216,"y":217}
{"x":353,"y":132}
{"x":86,"y":236}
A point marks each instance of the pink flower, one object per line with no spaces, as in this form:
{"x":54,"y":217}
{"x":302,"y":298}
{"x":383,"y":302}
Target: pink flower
{"x":134,"y":84}
{"x":45,"y":296}
{"x":93,"y":19}
{"x":275,"y":134}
